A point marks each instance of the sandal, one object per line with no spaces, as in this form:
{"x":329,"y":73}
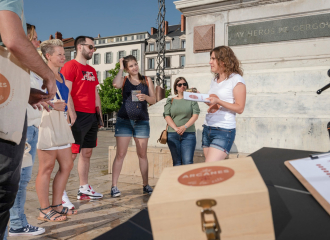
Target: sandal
{"x":65,"y":210}
{"x":47,"y":216}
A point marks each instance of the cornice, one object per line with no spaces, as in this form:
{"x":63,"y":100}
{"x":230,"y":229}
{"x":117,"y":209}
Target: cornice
{"x":199,"y":7}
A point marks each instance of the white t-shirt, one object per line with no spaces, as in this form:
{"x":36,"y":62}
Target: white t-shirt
{"x":223,"y":118}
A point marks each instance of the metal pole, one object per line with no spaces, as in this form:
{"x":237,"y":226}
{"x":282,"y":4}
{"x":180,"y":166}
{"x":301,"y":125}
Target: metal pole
{"x":160,"y":72}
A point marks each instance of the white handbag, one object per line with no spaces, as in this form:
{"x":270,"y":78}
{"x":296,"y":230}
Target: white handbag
{"x":14,"y":96}
{"x":54,"y":130}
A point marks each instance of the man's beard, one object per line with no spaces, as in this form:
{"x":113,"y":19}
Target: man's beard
{"x":85,"y":55}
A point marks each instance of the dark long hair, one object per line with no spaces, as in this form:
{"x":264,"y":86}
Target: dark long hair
{"x":132,"y":58}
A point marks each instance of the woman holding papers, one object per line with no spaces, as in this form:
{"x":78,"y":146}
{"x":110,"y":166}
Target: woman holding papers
{"x":180,"y":115}
{"x":132,"y":119}
{"x":227,"y":97}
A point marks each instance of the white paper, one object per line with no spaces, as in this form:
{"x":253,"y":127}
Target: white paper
{"x":317,"y":173}
{"x":197,"y":97}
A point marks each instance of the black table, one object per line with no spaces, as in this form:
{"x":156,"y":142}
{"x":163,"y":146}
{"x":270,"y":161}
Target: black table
{"x":296,"y":214}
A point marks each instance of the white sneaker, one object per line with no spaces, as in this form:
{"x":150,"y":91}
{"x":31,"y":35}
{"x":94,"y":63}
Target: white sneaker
{"x":89,"y":193}
{"x":66,"y":201}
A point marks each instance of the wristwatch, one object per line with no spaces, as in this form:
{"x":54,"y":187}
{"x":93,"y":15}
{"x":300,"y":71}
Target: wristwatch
{"x":185,"y":126}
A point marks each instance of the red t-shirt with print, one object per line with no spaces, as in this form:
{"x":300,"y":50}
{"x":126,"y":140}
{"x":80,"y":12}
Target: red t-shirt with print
{"x":84,"y":80}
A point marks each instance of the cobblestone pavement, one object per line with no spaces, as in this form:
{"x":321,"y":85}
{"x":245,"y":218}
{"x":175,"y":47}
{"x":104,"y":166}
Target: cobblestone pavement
{"x":94,"y":217}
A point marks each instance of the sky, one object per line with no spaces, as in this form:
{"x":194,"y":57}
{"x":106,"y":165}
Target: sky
{"x":105,"y":17}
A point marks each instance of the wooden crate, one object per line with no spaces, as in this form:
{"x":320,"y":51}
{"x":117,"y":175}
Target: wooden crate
{"x":242,"y":202}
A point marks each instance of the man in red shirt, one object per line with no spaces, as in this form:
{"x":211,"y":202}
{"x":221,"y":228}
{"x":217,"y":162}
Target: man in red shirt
{"x":81,"y":80}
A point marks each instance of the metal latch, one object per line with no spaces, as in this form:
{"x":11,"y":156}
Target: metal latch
{"x":210,"y":224}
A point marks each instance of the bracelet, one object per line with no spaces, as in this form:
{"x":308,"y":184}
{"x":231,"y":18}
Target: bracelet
{"x":50,"y":107}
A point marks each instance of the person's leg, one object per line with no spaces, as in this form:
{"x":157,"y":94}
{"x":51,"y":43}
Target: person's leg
{"x":83,"y":165}
{"x":89,"y":134}
{"x":46,"y":166}
{"x":174,"y":144}
{"x":122,"y":146}
{"x":17,"y":216}
{"x":206,"y":140}
{"x":141,"y":149}
{"x":214,"y":155}
{"x":188,"y":145}
{"x":61,"y":178}
{"x":11,"y":156}
{"x":221,"y":142}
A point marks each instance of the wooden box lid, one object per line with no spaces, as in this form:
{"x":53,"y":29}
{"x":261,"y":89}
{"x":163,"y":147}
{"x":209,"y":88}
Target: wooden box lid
{"x":243,"y":207}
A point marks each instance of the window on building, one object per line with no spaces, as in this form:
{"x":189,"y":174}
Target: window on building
{"x":101,"y":41}
{"x":153,"y":80}
{"x":141,"y":36}
{"x":135,"y":54}
{"x":183,"y":44}
{"x":110,"y":40}
{"x":118,"y":39}
{"x":73,"y":55}
{"x":107,"y":74}
{"x":98,"y":75}
{"x":96,"y":58}
{"x":151,"y":47}
{"x":182,"y":61}
{"x":121,"y":54}
{"x":151,"y":63}
{"x":167,"y":81}
{"x":168,"y":62}
{"x":108,"y":57}
{"x":125,"y":38}
{"x":168,"y":45}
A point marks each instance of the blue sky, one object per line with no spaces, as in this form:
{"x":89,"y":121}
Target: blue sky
{"x":106,"y":17}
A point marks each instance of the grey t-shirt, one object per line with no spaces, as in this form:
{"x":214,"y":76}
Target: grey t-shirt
{"x":16,"y":6}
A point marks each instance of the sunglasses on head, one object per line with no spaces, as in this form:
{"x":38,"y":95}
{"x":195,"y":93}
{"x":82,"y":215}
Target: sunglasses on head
{"x":90,"y":46}
{"x":180,"y":84}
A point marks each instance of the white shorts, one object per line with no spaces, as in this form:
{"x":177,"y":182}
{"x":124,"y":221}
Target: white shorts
{"x":59,"y":147}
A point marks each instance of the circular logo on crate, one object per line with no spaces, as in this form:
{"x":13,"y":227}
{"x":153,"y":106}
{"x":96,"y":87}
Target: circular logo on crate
{"x":206,"y":176}
{"x":4,"y":89}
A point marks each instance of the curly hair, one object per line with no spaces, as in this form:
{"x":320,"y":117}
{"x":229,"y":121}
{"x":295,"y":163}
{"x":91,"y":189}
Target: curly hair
{"x":227,"y":56}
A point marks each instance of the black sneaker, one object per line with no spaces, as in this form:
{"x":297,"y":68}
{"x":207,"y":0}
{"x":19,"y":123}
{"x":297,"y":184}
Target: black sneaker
{"x":28,"y":230}
{"x":115,"y":192}
{"x":147,"y":189}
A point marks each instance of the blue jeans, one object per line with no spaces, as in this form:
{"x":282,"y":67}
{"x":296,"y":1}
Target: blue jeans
{"x":182,"y":147}
{"x":17,"y":216}
{"x":132,"y":128}
{"x":219,"y":138}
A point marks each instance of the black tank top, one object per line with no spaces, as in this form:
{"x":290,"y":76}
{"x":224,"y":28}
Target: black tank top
{"x":134,"y":110}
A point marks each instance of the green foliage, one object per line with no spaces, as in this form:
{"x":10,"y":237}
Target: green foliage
{"x":111,"y":98}
{"x":167,"y":92}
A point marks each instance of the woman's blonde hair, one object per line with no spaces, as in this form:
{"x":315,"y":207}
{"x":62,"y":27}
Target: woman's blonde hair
{"x":227,"y":56}
{"x":48,"y":46}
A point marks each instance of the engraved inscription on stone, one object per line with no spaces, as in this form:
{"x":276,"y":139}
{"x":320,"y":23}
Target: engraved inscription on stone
{"x":280,"y":30}
{"x":203,"y":38}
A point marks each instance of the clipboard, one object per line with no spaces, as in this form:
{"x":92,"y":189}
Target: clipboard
{"x":321,"y":200}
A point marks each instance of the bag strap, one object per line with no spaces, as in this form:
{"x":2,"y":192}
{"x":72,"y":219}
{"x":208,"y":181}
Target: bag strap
{"x":59,"y":94}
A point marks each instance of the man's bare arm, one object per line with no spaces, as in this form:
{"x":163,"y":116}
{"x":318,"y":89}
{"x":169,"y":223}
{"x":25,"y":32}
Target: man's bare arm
{"x":71,"y":109}
{"x":13,"y":36}
{"x":98,"y":102}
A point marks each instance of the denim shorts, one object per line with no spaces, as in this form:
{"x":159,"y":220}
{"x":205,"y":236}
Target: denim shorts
{"x":219,"y":138}
{"x":132,"y":128}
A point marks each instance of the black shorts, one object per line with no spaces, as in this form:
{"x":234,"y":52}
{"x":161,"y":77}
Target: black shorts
{"x":84,"y":131}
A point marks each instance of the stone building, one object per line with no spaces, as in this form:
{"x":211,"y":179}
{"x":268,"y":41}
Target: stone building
{"x":175,"y":39}
{"x":111,"y":49}
{"x":284,"y":47}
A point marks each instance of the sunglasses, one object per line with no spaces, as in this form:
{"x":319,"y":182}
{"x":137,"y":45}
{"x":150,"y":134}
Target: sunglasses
{"x":90,"y":47}
{"x":180,"y":84}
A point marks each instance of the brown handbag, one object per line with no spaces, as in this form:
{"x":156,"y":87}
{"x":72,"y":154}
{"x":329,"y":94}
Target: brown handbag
{"x":163,"y":136}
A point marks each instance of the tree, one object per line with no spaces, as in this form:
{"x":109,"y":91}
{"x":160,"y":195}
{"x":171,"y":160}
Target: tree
{"x":111,"y":97}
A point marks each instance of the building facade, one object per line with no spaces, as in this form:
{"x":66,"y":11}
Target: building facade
{"x":111,"y":49}
{"x":175,"y":38}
